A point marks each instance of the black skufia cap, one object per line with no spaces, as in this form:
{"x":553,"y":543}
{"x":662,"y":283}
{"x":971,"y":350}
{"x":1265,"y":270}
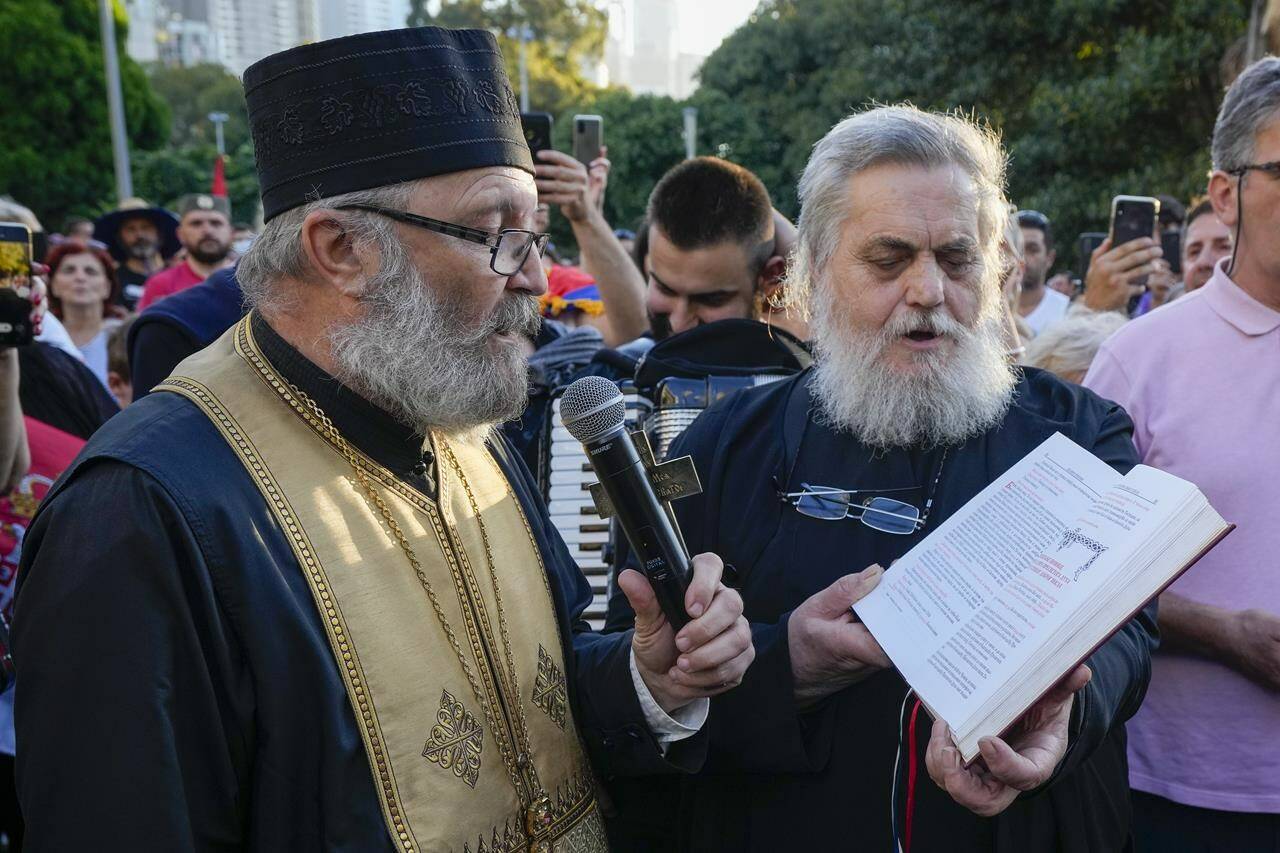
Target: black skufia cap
{"x":379,"y":108}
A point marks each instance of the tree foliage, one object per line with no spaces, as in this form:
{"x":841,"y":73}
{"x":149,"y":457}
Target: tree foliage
{"x":186,"y":164}
{"x":567,"y":36}
{"x":56,"y":156}
{"x":1092,"y":97}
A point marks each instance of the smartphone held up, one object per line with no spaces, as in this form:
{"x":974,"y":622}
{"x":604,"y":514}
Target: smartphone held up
{"x":15,"y":285}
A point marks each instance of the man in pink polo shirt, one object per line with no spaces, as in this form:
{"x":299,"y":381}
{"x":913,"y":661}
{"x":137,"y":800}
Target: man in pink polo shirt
{"x":204,"y":229}
{"x":1201,"y":379}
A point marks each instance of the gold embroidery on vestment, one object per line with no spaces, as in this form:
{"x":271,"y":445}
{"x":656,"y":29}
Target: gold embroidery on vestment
{"x":549,"y":690}
{"x":456,"y":740}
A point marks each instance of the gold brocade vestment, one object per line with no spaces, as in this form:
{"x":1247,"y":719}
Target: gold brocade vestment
{"x":455,"y":771}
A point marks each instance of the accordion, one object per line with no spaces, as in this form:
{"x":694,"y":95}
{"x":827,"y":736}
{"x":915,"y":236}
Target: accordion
{"x":567,"y":474}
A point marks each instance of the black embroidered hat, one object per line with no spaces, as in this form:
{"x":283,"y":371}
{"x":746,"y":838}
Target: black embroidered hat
{"x":380,"y":108}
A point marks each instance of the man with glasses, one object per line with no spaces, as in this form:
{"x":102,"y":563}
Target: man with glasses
{"x":910,"y":410}
{"x":1201,"y":379}
{"x":303,"y":596}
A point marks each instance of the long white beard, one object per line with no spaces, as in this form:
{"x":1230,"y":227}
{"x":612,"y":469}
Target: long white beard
{"x":948,"y":398}
{"x":411,"y":354}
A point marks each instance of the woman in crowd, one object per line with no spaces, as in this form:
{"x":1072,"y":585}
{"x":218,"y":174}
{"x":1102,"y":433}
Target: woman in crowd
{"x":1067,"y":347}
{"x":82,"y":294}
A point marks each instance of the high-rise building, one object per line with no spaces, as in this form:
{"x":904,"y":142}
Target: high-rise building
{"x":642,"y":49}
{"x":237,"y":33}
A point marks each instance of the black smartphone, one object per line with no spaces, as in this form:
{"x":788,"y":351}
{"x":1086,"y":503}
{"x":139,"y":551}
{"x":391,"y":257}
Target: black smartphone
{"x":1132,"y":217}
{"x":15,"y":284}
{"x":1085,"y":244}
{"x":537,"y":131}
{"x":1171,"y":243}
{"x":588,"y":136}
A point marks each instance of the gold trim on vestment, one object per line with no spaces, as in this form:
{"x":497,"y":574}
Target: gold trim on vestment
{"x":217,"y":381}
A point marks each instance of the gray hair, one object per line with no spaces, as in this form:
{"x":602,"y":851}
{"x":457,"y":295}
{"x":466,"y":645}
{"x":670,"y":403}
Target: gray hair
{"x":277,"y":252}
{"x":1252,"y":103}
{"x":1068,"y":347}
{"x":904,"y":135}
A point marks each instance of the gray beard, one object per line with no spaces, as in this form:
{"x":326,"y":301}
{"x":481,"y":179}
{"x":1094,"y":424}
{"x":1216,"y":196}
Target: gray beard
{"x":947,"y":399}
{"x":410,"y":354}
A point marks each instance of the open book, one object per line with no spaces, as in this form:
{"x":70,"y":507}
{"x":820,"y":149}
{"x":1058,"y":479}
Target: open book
{"x":1025,"y":581}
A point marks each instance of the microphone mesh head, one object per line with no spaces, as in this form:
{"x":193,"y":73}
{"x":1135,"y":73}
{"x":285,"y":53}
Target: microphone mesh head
{"x":592,"y":407}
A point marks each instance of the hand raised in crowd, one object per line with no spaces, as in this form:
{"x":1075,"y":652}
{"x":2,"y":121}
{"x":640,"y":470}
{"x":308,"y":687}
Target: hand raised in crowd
{"x":598,"y":177}
{"x":708,"y":656}
{"x":1256,"y":646}
{"x":1021,"y":761}
{"x":1114,"y":274}
{"x":1161,"y":283}
{"x":1062,"y":283}
{"x":830,"y":649}
{"x":564,"y":181}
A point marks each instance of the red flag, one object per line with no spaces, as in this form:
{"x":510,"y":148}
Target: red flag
{"x":219,"y":188}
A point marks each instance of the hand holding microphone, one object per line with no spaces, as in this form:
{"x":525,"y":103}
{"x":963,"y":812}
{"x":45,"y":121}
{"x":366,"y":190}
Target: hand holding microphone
{"x":691,"y":640}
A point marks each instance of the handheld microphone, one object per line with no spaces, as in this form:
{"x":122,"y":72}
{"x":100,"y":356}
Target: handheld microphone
{"x":594,"y":412}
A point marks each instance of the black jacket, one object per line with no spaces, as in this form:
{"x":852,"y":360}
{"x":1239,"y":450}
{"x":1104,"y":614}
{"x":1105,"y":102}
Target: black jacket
{"x":778,"y":780}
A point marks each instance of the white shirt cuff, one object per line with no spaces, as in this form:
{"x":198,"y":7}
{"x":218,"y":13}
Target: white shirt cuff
{"x":667,"y":728}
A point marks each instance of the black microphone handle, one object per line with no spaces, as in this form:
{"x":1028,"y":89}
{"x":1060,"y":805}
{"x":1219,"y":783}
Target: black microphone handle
{"x":644,"y":521}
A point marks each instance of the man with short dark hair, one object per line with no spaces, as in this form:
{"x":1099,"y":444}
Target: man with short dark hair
{"x":204,"y":230}
{"x":713,"y":252}
{"x":1205,"y":241}
{"x":1039,"y":306}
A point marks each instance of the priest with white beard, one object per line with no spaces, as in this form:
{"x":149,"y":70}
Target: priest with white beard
{"x":911,"y":409}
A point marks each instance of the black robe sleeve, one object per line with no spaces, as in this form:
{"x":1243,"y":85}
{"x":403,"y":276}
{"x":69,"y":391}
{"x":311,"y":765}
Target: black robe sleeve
{"x":124,"y":660}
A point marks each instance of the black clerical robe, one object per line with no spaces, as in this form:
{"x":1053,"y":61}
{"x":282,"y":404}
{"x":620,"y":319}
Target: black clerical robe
{"x":176,"y":688}
{"x":776,"y":779}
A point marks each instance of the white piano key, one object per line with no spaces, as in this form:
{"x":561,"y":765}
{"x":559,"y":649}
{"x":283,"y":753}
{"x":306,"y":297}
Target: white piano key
{"x":570,"y":493}
{"x":561,"y":478}
{"x":570,"y":462}
{"x":582,"y":538}
{"x":584,"y":509}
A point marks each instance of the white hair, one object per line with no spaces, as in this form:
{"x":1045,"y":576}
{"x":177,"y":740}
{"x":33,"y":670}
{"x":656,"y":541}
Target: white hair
{"x":1067,"y":348}
{"x":900,"y":135}
{"x":277,"y":252}
{"x":944,"y":397}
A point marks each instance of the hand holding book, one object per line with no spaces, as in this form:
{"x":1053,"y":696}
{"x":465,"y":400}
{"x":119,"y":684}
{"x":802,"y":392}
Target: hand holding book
{"x":1021,"y":761}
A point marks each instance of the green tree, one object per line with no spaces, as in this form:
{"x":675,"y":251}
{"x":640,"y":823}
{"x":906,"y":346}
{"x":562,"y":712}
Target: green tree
{"x":567,"y":36}
{"x":186,"y":165}
{"x":195,"y":92}
{"x":1092,"y":97}
{"x":56,"y":156}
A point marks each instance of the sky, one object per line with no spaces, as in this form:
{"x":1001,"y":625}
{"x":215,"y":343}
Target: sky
{"x":706,"y":23}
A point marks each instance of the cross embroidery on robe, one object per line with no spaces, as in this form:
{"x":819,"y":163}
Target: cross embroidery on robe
{"x":549,"y":691}
{"x":456,"y":740}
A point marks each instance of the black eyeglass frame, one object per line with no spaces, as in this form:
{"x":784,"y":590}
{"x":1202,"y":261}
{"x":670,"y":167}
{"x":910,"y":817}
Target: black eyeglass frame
{"x":462,"y":232}
{"x":1272,"y":168}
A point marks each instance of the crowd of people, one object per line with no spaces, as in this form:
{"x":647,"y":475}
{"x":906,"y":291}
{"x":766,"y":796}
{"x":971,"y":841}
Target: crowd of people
{"x":174,"y":628}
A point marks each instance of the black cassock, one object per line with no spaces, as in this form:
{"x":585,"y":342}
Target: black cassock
{"x":778,"y":780}
{"x":176,"y":690}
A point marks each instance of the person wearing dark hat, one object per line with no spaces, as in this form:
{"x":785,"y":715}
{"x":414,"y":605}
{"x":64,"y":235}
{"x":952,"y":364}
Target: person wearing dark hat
{"x":303,"y":596}
{"x":139,"y":237}
{"x":204,"y":229}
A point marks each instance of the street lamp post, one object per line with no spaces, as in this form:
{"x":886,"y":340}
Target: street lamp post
{"x":690,"y":132}
{"x":115,"y":102}
{"x":219,"y":119}
{"x":523,"y":32}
